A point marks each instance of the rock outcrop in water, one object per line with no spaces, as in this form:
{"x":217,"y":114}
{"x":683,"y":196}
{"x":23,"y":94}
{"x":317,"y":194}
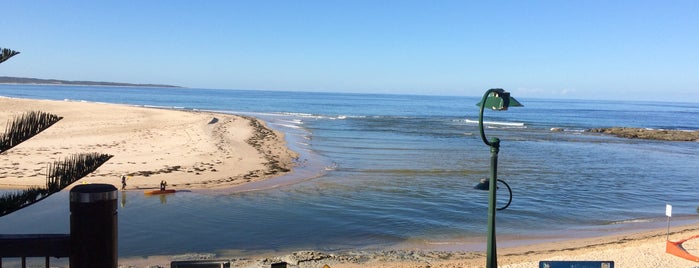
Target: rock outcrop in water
{"x":649,"y":134}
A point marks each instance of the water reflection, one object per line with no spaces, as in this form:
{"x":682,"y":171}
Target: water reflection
{"x":161,"y":197}
{"x":122,"y":201}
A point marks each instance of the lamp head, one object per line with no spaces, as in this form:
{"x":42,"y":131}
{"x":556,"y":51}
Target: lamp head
{"x":484,"y":185}
{"x":499,"y":100}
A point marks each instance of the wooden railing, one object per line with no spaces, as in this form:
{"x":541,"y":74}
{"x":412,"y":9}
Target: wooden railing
{"x":92,"y":241}
{"x":34,"y":245}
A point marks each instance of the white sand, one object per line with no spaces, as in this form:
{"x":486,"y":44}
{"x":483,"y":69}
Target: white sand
{"x":187,"y":149}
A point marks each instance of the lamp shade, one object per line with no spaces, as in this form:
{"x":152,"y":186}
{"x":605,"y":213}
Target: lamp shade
{"x":500,"y":100}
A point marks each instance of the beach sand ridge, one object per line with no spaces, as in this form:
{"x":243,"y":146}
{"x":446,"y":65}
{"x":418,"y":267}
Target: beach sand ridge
{"x":188,"y":149}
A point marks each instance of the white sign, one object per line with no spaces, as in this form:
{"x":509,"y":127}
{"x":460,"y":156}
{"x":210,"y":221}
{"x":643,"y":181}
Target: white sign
{"x":668,"y":210}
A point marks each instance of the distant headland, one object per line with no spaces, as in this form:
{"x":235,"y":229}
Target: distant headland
{"x":37,"y":81}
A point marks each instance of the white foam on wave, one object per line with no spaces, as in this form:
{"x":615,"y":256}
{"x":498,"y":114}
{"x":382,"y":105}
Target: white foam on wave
{"x":289,"y":126}
{"x":301,"y":115}
{"x":343,"y":117}
{"x":295,"y":122}
{"x":296,"y":117}
{"x":311,"y":116}
{"x":497,"y":123}
{"x":566,"y":130}
{"x":163,"y":107}
{"x":331,"y":167}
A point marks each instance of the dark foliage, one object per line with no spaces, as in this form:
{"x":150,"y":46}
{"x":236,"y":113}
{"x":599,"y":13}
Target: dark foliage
{"x":7,"y":54}
{"x":24,"y":127}
{"x":60,"y":174}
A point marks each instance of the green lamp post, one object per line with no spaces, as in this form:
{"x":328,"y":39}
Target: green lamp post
{"x":498,"y":100}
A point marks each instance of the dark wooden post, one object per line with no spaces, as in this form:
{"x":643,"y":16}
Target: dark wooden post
{"x":93,"y":226}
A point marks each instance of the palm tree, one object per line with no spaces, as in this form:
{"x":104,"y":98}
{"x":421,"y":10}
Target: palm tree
{"x":7,"y":54}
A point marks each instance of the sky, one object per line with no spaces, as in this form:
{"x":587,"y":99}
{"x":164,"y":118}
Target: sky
{"x":617,"y":50}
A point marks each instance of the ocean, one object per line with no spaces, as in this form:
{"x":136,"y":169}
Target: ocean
{"x":397,"y":171}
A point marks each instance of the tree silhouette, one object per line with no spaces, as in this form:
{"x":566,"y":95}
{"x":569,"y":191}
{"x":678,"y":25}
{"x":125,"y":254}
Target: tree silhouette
{"x":7,"y":54}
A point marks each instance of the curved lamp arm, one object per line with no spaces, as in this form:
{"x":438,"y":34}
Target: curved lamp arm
{"x":495,"y":142}
{"x":485,"y":185}
{"x":509,"y":190}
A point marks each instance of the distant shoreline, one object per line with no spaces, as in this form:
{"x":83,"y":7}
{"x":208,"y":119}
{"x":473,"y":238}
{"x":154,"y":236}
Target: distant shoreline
{"x":56,"y":82}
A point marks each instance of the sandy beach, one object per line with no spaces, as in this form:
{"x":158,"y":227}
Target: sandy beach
{"x":644,"y":249}
{"x":201,"y":150}
{"x":188,"y":149}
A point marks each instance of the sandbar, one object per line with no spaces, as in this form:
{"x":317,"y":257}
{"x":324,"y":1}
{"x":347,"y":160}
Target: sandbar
{"x":187,"y":149}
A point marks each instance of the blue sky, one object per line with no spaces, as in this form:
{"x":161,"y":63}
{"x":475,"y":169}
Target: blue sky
{"x":631,"y":50}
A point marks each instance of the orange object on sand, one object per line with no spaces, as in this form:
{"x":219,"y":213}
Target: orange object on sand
{"x":675,"y":248}
{"x":152,"y":192}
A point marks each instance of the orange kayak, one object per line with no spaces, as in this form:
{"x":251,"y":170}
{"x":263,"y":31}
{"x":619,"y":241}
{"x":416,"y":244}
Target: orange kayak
{"x":159,"y":192}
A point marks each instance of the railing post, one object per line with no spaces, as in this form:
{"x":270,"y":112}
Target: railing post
{"x":93,"y":226}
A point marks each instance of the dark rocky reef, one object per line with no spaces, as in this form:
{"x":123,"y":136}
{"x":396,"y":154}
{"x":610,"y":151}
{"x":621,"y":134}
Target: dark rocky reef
{"x":649,"y":134}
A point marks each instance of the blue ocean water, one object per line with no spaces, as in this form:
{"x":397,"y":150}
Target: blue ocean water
{"x":399,"y":171}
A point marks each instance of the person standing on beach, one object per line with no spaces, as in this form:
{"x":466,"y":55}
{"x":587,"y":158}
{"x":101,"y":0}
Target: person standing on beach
{"x":123,"y":182}
{"x":163,"y":184}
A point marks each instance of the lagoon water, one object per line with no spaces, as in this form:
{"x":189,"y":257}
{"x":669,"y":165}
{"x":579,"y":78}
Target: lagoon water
{"x":399,"y":170}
